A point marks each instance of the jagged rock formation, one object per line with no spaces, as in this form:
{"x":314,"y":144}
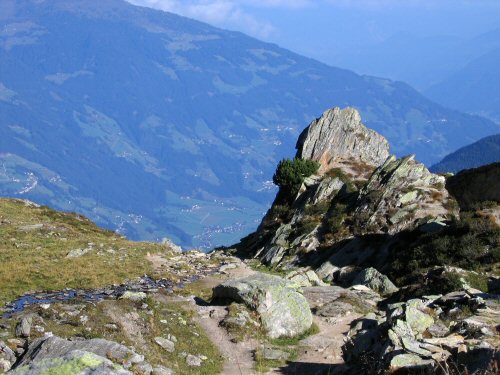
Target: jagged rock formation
{"x":399,"y":193}
{"x":359,"y":191}
{"x":338,"y":138}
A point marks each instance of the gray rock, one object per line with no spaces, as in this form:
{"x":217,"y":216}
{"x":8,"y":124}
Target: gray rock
{"x":23,"y":328}
{"x":166,"y":344}
{"x":283,"y":311}
{"x":73,"y":362}
{"x":375,"y":281}
{"x":56,"y":347}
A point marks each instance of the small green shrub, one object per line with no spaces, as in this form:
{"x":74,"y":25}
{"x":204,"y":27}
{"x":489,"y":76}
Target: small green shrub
{"x":290,"y":173}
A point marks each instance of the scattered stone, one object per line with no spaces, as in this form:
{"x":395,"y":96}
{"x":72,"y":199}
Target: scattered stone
{"x":193,"y":360}
{"x":23,"y":328}
{"x":166,"y":344}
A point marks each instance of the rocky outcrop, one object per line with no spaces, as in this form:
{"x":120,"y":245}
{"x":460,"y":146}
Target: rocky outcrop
{"x":473,"y":186}
{"x":283,"y":311}
{"x":334,"y":210}
{"x":339,"y":137}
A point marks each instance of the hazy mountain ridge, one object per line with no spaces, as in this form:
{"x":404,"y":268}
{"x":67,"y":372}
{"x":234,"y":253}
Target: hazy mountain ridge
{"x":474,"y":88}
{"x":160,"y":125}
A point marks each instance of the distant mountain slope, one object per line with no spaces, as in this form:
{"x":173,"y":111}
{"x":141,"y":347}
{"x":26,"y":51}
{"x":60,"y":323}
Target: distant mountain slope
{"x":485,"y":151}
{"x":159,"y":125}
{"x":475,"y":88}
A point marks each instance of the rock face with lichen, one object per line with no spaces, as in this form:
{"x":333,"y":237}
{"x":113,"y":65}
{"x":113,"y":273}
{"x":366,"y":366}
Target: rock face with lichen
{"x":74,"y":362}
{"x":54,"y":355}
{"x":283,"y":311}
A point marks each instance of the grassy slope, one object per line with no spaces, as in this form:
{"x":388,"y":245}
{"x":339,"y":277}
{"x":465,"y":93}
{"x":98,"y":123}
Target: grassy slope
{"x":35,"y":258}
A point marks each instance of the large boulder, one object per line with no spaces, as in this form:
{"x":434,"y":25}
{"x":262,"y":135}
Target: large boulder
{"x":73,"y":362}
{"x":44,"y":350}
{"x":284,"y":312}
{"x":376,"y":281}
